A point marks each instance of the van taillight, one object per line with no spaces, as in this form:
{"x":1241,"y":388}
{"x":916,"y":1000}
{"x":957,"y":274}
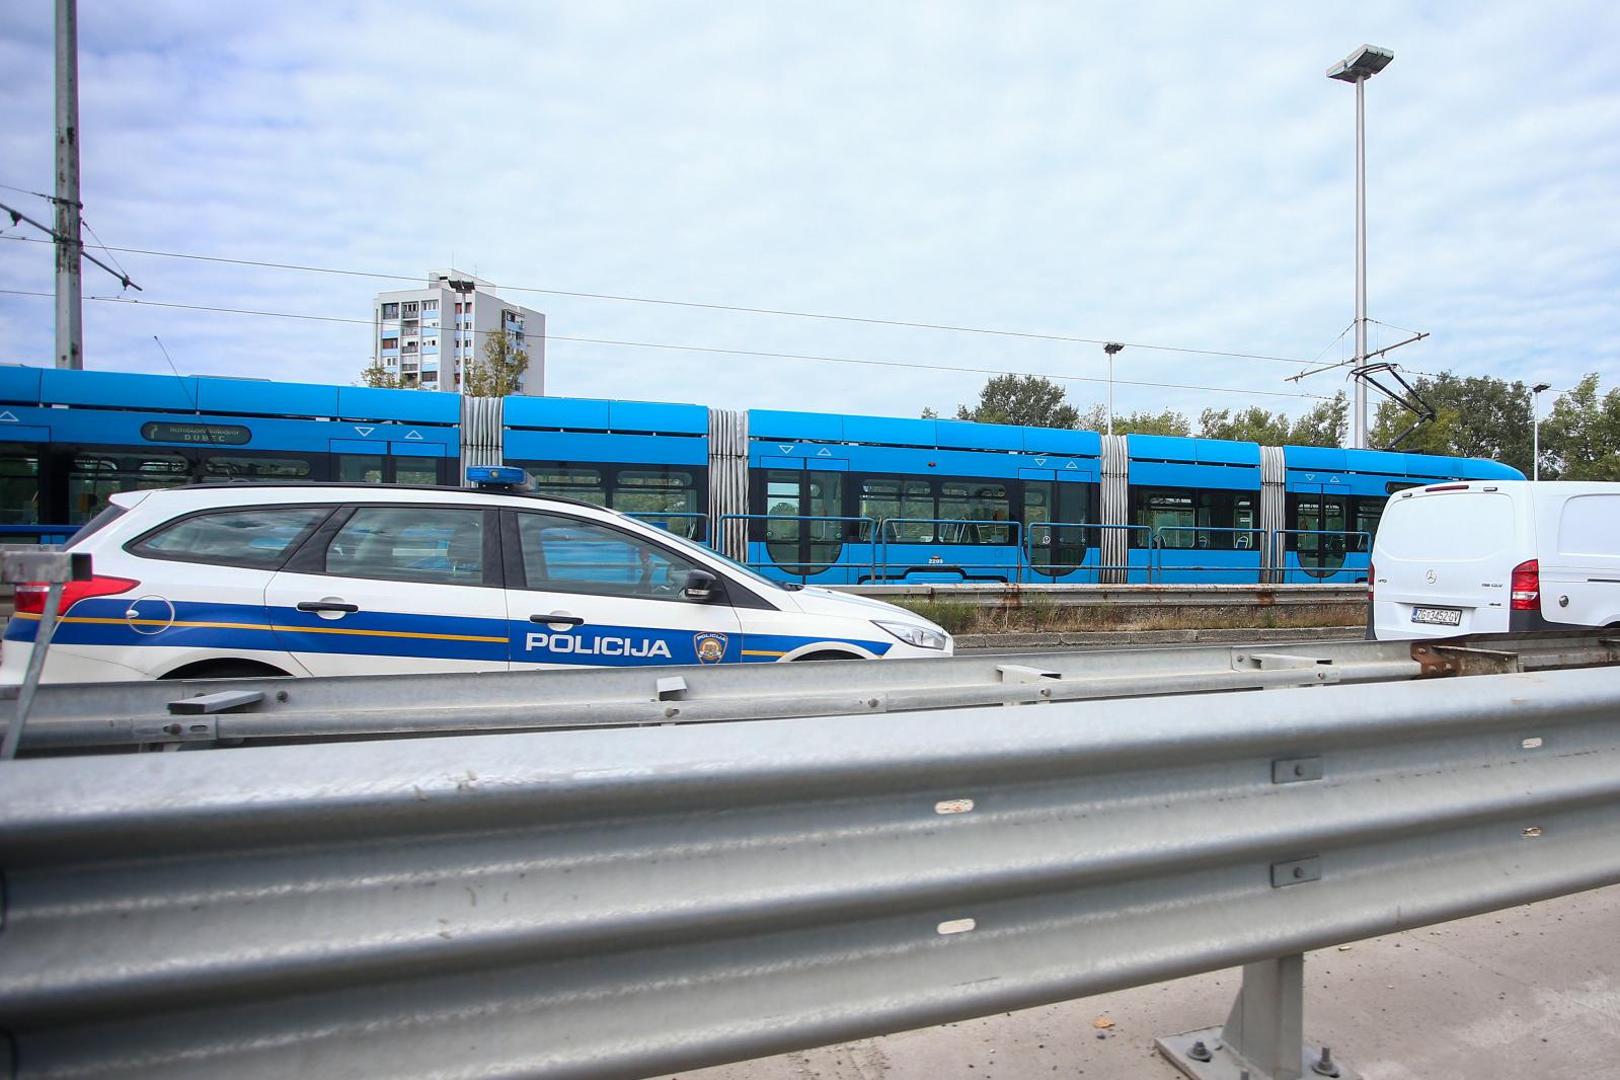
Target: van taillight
{"x":1372,"y":575}
{"x":31,"y":594}
{"x":1527,"y":586}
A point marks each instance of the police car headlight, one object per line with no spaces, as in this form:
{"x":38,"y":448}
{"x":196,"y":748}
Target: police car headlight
{"x":912,"y":634}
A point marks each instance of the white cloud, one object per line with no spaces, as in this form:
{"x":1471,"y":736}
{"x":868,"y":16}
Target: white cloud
{"x":1178,"y":174}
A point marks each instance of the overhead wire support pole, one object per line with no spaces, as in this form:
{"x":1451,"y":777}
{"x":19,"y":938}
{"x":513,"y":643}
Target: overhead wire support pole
{"x":69,"y":305}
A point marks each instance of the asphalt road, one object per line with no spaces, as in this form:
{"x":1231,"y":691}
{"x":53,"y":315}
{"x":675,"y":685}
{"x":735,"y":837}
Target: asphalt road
{"x":1530,"y":993}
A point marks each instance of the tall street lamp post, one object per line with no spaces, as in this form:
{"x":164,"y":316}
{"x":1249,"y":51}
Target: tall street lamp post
{"x":1535,"y":429}
{"x":1357,"y":68}
{"x":1111,"y":348}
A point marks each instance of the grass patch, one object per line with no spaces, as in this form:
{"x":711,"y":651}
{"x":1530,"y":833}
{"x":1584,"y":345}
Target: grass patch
{"x":1041,"y":614}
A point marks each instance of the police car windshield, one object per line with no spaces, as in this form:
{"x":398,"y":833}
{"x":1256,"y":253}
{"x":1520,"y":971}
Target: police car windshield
{"x":751,"y":575}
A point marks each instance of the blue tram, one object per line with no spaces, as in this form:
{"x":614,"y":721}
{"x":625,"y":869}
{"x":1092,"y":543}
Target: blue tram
{"x":809,"y":497}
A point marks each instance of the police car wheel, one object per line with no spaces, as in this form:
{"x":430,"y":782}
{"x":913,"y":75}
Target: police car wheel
{"x":227,"y":669}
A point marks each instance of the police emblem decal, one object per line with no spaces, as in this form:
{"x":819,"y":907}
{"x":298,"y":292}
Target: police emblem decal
{"x":711,"y":648}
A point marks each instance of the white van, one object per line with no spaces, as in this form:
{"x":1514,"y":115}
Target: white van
{"x":1496,"y":556}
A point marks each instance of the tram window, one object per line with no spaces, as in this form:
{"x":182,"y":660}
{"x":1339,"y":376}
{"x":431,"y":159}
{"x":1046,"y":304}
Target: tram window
{"x":884,"y":498}
{"x":255,"y":469}
{"x":1369,"y":510}
{"x":973,"y":501}
{"x":93,"y":477}
{"x":416,"y":471}
{"x":826,"y":498}
{"x":649,"y":493}
{"x":360,"y":468}
{"x":570,"y":483}
{"x":1173,"y":516}
{"x":19,"y":486}
{"x":1205,"y":520}
{"x":782,"y":493}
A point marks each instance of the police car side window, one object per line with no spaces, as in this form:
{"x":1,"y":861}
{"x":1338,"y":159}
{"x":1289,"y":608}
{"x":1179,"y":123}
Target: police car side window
{"x":410,"y":543}
{"x":259,"y":537}
{"x":564,"y":555}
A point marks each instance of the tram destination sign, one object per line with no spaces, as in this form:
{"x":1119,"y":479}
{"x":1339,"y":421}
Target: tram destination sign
{"x":213,"y":434}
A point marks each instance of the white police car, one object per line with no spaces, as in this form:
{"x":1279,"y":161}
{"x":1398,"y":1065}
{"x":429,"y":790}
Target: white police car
{"x":329,"y":579}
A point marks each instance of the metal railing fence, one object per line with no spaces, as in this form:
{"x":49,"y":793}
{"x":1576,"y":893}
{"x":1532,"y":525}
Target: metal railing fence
{"x":1143,"y":549}
{"x":1098,"y":570}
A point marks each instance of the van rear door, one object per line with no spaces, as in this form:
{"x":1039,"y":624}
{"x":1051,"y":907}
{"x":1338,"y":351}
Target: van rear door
{"x":1445,"y":553}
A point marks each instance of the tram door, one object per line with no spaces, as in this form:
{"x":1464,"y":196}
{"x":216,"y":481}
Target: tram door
{"x":1320,"y":520}
{"x":1054,"y":549}
{"x":803,"y":535}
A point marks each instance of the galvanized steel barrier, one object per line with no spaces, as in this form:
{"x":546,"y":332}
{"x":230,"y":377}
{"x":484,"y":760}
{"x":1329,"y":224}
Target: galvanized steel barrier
{"x":629,"y":901}
{"x":203,"y":712}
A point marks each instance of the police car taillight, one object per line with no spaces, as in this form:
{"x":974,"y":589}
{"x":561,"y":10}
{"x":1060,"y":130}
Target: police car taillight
{"x":31,"y":594}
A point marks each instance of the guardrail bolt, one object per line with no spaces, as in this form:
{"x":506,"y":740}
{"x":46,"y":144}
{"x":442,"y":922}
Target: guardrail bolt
{"x":1199,"y":1051}
{"x":1324,"y":1065}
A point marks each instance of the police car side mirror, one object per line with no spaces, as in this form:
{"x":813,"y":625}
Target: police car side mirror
{"x":699,"y":586}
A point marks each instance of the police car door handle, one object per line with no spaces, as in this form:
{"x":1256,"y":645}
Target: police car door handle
{"x":326,"y":605}
{"x":562,"y":620}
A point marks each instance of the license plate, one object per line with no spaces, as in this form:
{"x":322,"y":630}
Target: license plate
{"x":1437,"y":616}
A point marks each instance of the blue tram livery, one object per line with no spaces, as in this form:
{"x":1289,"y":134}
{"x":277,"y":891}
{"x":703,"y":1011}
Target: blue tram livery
{"x":810,"y":497}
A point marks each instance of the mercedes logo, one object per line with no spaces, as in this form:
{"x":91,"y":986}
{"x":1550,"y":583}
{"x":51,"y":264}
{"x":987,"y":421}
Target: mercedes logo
{"x":1430,"y":577}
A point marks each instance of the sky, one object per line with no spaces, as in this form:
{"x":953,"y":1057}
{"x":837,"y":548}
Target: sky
{"x":1167,"y":175}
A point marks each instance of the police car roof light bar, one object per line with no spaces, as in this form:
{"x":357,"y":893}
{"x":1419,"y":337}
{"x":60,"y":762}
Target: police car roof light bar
{"x":498,"y":478}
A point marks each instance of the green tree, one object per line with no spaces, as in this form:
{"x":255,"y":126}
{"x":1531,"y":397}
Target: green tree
{"x":378,"y":375}
{"x":1165,"y":422}
{"x":1580,"y":439}
{"x":1325,"y":424}
{"x":1477,"y":416}
{"x":1028,"y":400}
{"x":1253,"y":424}
{"x":498,"y":371}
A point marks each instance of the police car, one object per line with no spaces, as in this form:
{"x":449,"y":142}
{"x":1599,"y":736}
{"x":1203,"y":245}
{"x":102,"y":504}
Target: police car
{"x":218,"y":581}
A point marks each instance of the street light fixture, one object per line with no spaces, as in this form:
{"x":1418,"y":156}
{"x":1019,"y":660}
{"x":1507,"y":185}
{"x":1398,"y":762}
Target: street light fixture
{"x":1357,"y":68}
{"x":1535,"y":428}
{"x":1111,"y":348}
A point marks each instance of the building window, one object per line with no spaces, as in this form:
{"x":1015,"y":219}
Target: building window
{"x":430,"y":305}
{"x":390,"y":311}
{"x":390,"y":342}
{"x":411,"y":307}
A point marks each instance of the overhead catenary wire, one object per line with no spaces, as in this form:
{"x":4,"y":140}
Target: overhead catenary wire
{"x":684,"y":347}
{"x":733,"y":308}
{"x":104,"y":247}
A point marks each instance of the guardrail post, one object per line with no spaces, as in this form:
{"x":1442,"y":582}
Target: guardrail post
{"x":55,"y":568}
{"x":1264,"y":1037}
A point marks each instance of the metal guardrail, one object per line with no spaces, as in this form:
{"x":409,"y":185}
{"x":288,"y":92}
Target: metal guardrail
{"x":230,"y":711}
{"x":627,"y":902}
{"x":233,"y":711}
